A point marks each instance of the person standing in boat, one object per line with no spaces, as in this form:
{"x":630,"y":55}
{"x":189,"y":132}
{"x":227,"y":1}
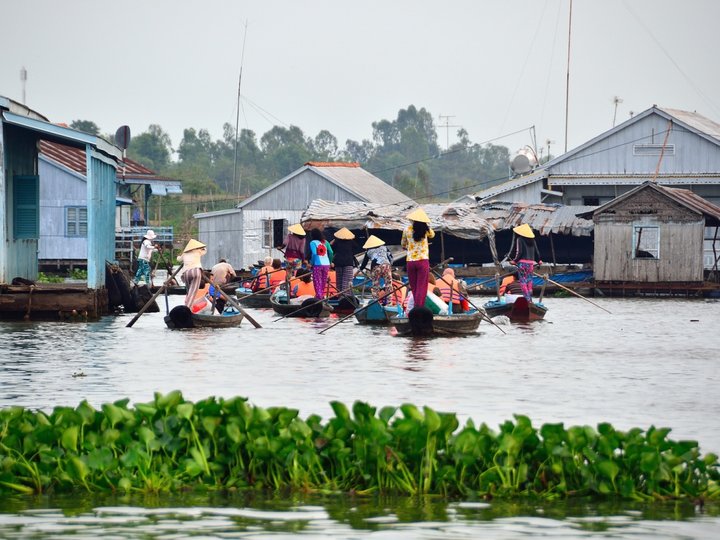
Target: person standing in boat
{"x":147,"y":248}
{"x":380,"y":259}
{"x":319,"y":258}
{"x":294,"y":247}
{"x":523,"y":253}
{"x":220,"y":275}
{"x":344,"y":247}
{"x":415,"y":240}
{"x":192,"y":268}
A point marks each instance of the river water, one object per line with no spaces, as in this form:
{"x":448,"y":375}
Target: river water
{"x":648,"y":362}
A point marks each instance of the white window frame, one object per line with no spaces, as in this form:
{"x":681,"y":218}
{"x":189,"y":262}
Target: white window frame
{"x":647,"y":243}
{"x":267,"y":233}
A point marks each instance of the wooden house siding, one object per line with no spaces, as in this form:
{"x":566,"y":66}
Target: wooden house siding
{"x":19,"y":256}
{"x":680,"y":253}
{"x":59,"y":189}
{"x":299,"y":192}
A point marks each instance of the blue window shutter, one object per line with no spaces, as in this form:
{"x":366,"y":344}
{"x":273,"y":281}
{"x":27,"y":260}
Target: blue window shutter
{"x":26,"y":205}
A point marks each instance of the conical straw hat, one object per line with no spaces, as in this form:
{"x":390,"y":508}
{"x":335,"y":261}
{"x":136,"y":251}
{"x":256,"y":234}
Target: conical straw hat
{"x":524,"y":230}
{"x":418,"y":215}
{"x":193,"y":244}
{"x":372,"y":242}
{"x":344,"y":234}
{"x":297,"y":229}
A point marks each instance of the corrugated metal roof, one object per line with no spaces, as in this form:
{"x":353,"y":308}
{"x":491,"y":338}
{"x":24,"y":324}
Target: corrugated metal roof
{"x":471,"y":221}
{"x":698,"y":121}
{"x":685,"y":197}
{"x":75,"y":160}
{"x":360,"y":182}
{"x":494,"y":191}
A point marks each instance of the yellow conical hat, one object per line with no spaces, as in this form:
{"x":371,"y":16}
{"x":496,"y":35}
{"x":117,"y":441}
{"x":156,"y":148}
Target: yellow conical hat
{"x":193,"y":244}
{"x":297,"y":229}
{"x":344,"y":234}
{"x":418,"y":215}
{"x":524,"y":230}
{"x":372,"y":242}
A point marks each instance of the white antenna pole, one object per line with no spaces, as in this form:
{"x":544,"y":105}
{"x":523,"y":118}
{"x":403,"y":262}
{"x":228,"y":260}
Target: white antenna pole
{"x":237,"y":118}
{"x":23,"y":81}
{"x":567,"y":81}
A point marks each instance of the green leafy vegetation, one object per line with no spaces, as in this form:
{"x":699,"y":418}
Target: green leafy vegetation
{"x":49,"y":278}
{"x":170,"y":445}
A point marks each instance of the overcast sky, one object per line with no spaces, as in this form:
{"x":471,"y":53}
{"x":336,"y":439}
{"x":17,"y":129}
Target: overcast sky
{"x":495,"y":66}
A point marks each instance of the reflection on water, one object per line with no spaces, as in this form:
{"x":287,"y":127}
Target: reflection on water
{"x":250,"y":515}
{"x":650,"y":362}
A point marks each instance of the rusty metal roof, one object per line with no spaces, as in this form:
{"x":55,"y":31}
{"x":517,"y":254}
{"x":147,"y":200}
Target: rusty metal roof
{"x":75,"y":160}
{"x":465,"y":220}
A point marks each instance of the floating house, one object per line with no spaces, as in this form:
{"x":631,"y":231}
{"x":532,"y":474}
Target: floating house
{"x":63,"y":202}
{"x":671,"y":147}
{"x":21,"y":129}
{"x":651,"y":238}
{"x":255,"y":227}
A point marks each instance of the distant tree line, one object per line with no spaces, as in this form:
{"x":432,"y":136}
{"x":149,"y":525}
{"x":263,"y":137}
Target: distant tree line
{"x":404,"y":152}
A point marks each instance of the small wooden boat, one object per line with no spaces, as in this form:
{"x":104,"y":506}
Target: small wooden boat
{"x":519,"y":310}
{"x":253,"y":300}
{"x":376,"y":314}
{"x":310,"y":307}
{"x":182,"y":317}
{"x":344,"y":304}
{"x":455,"y":324}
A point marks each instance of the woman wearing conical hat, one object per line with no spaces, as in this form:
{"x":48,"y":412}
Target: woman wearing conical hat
{"x":415,"y":240}
{"x":344,"y":261}
{"x":523,"y":253}
{"x":192,"y":268}
{"x":380,"y":259}
{"x":294,"y":246}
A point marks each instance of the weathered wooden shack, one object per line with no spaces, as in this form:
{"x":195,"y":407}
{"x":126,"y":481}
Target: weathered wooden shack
{"x":20,"y":131}
{"x":251,"y":231}
{"x":653,"y":235}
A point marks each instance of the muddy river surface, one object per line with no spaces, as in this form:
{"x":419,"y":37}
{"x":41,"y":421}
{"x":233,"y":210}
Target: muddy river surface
{"x":648,"y":362}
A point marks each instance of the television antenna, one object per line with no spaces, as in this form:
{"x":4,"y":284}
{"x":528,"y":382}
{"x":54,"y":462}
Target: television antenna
{"x":447,"y":125}
{"x":616,"y":100}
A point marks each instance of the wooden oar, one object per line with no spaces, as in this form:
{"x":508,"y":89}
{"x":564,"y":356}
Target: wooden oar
{"x":265,"y":289}
{"x":350,"y":288}
{"x":154,"y":296}
{"x":376,"y":300}
{"x":481,"y":311}
{"x":234,"y":304}
{"x":570,"y":291}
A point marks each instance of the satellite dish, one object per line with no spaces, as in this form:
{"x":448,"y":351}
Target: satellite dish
{"x":122,"y":137}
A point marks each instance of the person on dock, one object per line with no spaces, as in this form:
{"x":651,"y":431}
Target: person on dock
{"x":294,"y":246}
{"x":344,"y":245}
{"x":380,"y":259}
{"x":523,"y":253}
{"x":147,"y":248}
{"x":319,"y":257}
{"x":192,"y":268}
{"x":415,"y":240}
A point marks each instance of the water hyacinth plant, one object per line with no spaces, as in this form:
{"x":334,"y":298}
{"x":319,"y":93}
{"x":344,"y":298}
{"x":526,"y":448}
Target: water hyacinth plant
{"x":171,"y":444}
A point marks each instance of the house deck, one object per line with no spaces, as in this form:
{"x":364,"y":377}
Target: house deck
{"x":52,"y":301}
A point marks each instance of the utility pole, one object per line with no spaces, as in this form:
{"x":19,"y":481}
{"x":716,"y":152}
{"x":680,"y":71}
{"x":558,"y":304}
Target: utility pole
{"x":567,"y":79}
{"x":23,"y":81}
{"x":447,"y":125}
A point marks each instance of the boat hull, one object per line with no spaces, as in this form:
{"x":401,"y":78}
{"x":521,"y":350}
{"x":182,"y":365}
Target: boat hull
{"x":519,"y":311}
{"x":298,"y":310}
{"x":259,"y":300}
{"x":216,"y":321}
{"x":376,"y":314}
{"x":442,"y":325}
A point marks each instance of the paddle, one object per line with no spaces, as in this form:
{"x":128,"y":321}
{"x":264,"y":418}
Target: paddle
{"x":570,"y":291}
{"x":314,"y":303}
{"x":154,"y":296}
{"x":482,"y":312}
{"x":265,"y":289}
{"x":376,"y":300}
{"x":234,"y":304}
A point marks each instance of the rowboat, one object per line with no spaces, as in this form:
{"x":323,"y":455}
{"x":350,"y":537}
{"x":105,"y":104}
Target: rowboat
{"x":375,"y":313}
{"x":516,"y":309}
{"x":253,"y":300}
{"x":309,"y":307}
{"x":455,"y":324}
{"x":182,"y":317}
{"x":344,"y":304}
